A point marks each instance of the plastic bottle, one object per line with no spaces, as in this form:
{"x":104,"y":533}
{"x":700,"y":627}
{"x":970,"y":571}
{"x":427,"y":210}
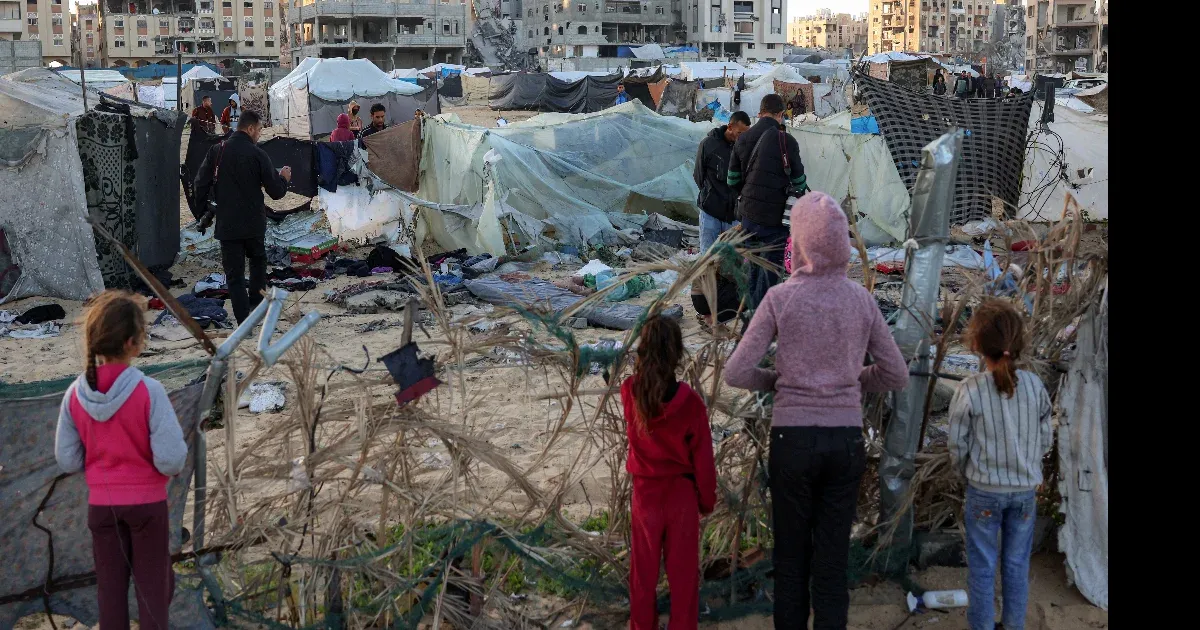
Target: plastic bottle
{"x":944,"y":599}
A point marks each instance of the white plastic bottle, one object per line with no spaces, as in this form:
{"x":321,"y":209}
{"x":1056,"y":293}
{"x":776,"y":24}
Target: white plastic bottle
{"x":944,"y":599}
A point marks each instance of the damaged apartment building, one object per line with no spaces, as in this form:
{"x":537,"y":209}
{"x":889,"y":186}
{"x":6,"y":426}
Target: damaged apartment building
{"x":1063,"y":36}
{"x":138,"y":33}
{"x":580,"y":29}
{"x":953,"y":27}
{"x":390,"y":34}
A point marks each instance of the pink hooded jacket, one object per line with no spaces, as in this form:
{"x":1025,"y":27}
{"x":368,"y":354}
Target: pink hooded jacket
{"x":342,"y":133}
{"x":825,"y":324}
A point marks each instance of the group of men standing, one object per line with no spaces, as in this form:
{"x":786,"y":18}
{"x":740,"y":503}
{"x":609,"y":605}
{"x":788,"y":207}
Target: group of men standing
{"x":746,"y":175}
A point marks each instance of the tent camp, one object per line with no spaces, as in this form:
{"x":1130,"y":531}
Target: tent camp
{"x":200,"y":72}
{"x":703,"y":70}
{"x":307,"y":101}
{"x":82,"y":162}
{"x":544,"y":92}
{"x":783,"y":80}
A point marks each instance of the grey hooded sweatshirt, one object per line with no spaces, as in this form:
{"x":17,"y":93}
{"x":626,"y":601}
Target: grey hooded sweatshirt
{"x":126,"y":439}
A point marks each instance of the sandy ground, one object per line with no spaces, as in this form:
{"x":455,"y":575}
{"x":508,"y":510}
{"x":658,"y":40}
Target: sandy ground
{"x":516,"y":420}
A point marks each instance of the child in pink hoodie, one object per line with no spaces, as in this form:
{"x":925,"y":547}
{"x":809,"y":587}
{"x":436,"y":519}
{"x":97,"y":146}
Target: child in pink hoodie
{"x":119,"y":428}
{"x":825,"y":324}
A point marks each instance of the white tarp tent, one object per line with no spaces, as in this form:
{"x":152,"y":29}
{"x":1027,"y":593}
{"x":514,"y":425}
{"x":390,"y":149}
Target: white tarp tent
{"x":307,"y":101}
{"x":755,"y":90}
{"x":697,"y":70}
{"x":99,"y":80}
{"x":1083,"y":139}
{"x":200,"y":72}
{"x":649,"y":51}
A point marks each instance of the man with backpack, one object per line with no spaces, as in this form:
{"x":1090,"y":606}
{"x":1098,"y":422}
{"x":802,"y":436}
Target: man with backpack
{"x":230,"y":184}
{"x":765,"y":170}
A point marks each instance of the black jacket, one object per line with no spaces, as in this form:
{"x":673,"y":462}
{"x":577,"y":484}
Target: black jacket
{"x":761,"y":179}
{"x":711,"y":173}
{"x":245,"y":171}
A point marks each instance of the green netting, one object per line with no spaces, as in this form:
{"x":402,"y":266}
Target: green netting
{"x":172,"y":375}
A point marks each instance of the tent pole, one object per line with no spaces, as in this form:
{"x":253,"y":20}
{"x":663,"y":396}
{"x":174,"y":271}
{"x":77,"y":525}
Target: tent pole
{"x":178,"y":78}
{"x":83,"y":87}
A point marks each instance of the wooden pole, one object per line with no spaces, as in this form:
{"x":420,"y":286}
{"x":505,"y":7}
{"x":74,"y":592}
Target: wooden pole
{"x":83,"y":87}
{"x":178,"y":78}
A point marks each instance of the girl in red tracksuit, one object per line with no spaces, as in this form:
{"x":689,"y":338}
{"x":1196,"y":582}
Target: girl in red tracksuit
{"x":674,"y":479}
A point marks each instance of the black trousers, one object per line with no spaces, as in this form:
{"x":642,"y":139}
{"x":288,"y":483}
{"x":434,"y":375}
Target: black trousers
{"x":814,"y":479}
{"x":761,"y":279}
{"x":233,"y":258}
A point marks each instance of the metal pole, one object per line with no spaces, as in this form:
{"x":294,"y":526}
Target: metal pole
{"x":178,"y":79}
{"x":83,"y":87}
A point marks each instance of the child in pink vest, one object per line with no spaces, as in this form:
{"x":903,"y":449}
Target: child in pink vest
{"x":119,"y":428}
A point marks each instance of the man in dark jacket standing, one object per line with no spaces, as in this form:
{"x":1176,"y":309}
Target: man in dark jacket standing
{"x":962,"y":86}
{"x":763,"y":168}
{"x":234,"y":174}
{"x":718,"y":203}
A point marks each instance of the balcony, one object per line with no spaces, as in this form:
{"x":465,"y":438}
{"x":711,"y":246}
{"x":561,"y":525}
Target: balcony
{"x":375,"y":8}
{"x":11,"y":26}
{"x":743,"y":37}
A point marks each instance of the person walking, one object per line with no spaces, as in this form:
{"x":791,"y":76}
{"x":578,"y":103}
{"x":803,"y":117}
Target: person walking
{"x":825,"y":325}
{"x":231,"y":113}
{"x":203,"y":117}
{"x":939,"y":84}
{"x":674,"y":479}
{"x":962,"y":85}
{"x":1000,"y":432}
{"x":765,"y":170}
{"x":117,"y":426}
{"x":234,"y":175}
{"x":717,"y":201}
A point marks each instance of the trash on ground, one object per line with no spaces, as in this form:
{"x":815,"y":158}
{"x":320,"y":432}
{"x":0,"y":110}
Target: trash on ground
{"x":263,"y":397}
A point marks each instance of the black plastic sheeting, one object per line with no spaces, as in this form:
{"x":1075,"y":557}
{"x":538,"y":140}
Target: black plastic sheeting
{"x":293,"y":152}
{"x":639,"y":87}
{"x":451,"y":87}
{"x":544,"y":93}
{"x":537,"y":294}
{"x":156,"y":170}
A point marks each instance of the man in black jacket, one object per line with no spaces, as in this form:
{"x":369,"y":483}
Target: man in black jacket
{"x":718,"y":203}
{"x":235,"y":173}
{"x":764,"y":168}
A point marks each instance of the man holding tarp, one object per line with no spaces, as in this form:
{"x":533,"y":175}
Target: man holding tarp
{"x":765,"y":170}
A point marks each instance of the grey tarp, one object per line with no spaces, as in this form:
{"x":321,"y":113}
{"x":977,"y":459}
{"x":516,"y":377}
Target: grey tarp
{"x":540,"y":294}
{"x":544,"y":93}
{"x":1083,"y":457}
{"x":27,"y":428}
{"x":679,"y":99}
{"x":322,"y":114}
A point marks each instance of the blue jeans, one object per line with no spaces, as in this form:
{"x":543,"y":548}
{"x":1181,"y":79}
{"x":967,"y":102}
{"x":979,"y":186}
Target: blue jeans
{"x":1011,"y":516}
{"x":711,"y":228}
{"x":761,"y":279}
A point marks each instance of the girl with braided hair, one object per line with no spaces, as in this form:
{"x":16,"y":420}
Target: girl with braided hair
{"x":674,"y":480}
{"x":118,"y":427}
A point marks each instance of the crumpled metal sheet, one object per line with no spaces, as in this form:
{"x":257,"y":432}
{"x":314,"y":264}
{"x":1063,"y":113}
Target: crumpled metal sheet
{"x":933,"y":195}
{"x":27,"y":428}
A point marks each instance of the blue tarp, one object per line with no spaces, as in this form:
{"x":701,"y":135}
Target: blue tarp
{"x":625,"y":51}
{"x":864,"y":124}
{"x":680,"y":49}
{"x":407,"y":80}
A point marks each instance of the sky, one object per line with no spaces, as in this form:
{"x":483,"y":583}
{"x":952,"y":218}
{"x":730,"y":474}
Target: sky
{"x":797,"y":8}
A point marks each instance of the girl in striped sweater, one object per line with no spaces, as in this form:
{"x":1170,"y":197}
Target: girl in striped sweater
{"x":999,"y":432}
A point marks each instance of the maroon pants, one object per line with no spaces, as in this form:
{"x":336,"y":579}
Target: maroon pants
{"x":666,"y":525}
{"x":132,"y":540}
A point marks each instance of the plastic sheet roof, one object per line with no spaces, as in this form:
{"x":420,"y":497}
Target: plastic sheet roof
{"x":38,"y":97}
{"x":693,"y":70}
{"x":649,"y":51}
{"x":340,"y":79}
{"x":199,"y":72}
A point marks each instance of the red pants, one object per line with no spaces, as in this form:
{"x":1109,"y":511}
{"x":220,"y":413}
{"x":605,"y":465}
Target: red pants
{"x":666,"y":525}
{"x":132,"y":539}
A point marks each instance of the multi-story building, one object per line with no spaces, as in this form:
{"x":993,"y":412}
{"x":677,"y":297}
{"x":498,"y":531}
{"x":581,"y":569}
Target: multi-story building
{"x":85,"y":36}
{"x":743,"y":29}
{"x":562,"y":29}
{"x":950,"y":27}
{"x":1064,"y":36}
{"x":47,"y":21}
{"x":829,"y":31}
{"x":139,"y":33}
{"x":412,"y":34}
